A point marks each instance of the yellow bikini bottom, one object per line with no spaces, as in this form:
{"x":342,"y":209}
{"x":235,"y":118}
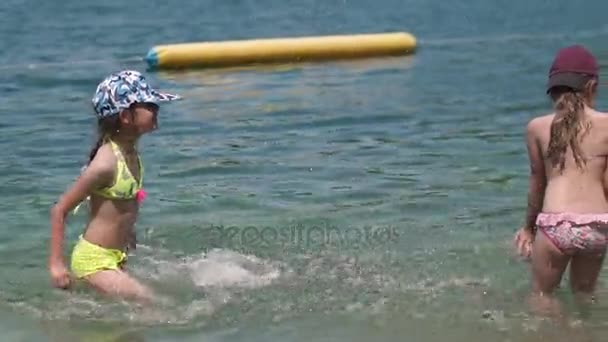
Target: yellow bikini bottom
{"x":89,"y":258}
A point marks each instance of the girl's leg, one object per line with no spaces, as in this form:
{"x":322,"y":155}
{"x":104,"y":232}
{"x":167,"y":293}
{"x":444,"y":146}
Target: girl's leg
{"x":117,"y":283}
{"x":584,"y":271}
{"x":548,"y":266}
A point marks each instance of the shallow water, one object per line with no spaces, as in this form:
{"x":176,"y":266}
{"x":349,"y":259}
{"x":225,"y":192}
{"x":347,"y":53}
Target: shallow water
{"x":338,"y":201}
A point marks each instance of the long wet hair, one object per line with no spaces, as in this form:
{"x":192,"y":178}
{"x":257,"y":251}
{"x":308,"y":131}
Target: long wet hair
{"x":569,"y":125}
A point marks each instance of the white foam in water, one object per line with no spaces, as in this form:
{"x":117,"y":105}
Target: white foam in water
{"x":216,"y":273}
{"x":225,"y":268}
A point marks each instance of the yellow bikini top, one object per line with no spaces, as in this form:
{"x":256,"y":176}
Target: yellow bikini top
{"x":125,"y":186}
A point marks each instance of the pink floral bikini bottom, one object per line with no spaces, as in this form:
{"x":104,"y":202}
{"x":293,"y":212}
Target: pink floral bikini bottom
{"x":575,"y":233}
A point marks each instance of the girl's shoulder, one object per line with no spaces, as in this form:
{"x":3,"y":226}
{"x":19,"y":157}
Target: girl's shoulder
{"x":104,"y":161}
{"x":538,"y":124}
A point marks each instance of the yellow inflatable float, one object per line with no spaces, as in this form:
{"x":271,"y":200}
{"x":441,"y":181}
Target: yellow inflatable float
{"x":279,"y":50}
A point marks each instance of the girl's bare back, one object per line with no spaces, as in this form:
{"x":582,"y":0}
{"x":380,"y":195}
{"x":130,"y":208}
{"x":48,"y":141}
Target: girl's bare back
{"x":574,"y":188}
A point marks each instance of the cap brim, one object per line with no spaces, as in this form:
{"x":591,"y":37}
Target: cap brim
{"x":163,"y":97}
{"x":572,"y":80}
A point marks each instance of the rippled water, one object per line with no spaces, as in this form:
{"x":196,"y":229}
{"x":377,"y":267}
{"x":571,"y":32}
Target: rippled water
{"x":343,"y":201}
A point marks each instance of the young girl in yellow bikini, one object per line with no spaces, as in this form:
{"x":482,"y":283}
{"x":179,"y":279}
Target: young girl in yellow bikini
{"x":126,"y":108}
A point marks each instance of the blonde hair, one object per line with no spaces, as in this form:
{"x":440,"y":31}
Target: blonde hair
{"x":568,"y":128}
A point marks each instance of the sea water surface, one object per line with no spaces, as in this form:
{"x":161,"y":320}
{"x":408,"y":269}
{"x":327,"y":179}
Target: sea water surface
{"x":341,"y":201}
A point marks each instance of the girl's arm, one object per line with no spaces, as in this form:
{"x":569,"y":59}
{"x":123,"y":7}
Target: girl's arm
{"x":537,"y":178}
{"x":99,"y":173}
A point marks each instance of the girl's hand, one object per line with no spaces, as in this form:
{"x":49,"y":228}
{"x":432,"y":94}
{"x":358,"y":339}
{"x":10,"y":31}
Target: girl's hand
{"x":60,"y":276}
{"x":523,"y":242}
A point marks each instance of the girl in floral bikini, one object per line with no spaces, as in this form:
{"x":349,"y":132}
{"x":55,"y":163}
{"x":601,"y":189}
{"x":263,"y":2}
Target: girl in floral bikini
{"x":566,"y":200}
{"x":126,"y":108}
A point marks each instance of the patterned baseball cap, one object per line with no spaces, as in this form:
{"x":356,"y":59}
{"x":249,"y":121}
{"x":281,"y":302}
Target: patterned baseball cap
{"x":121,"y":89}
